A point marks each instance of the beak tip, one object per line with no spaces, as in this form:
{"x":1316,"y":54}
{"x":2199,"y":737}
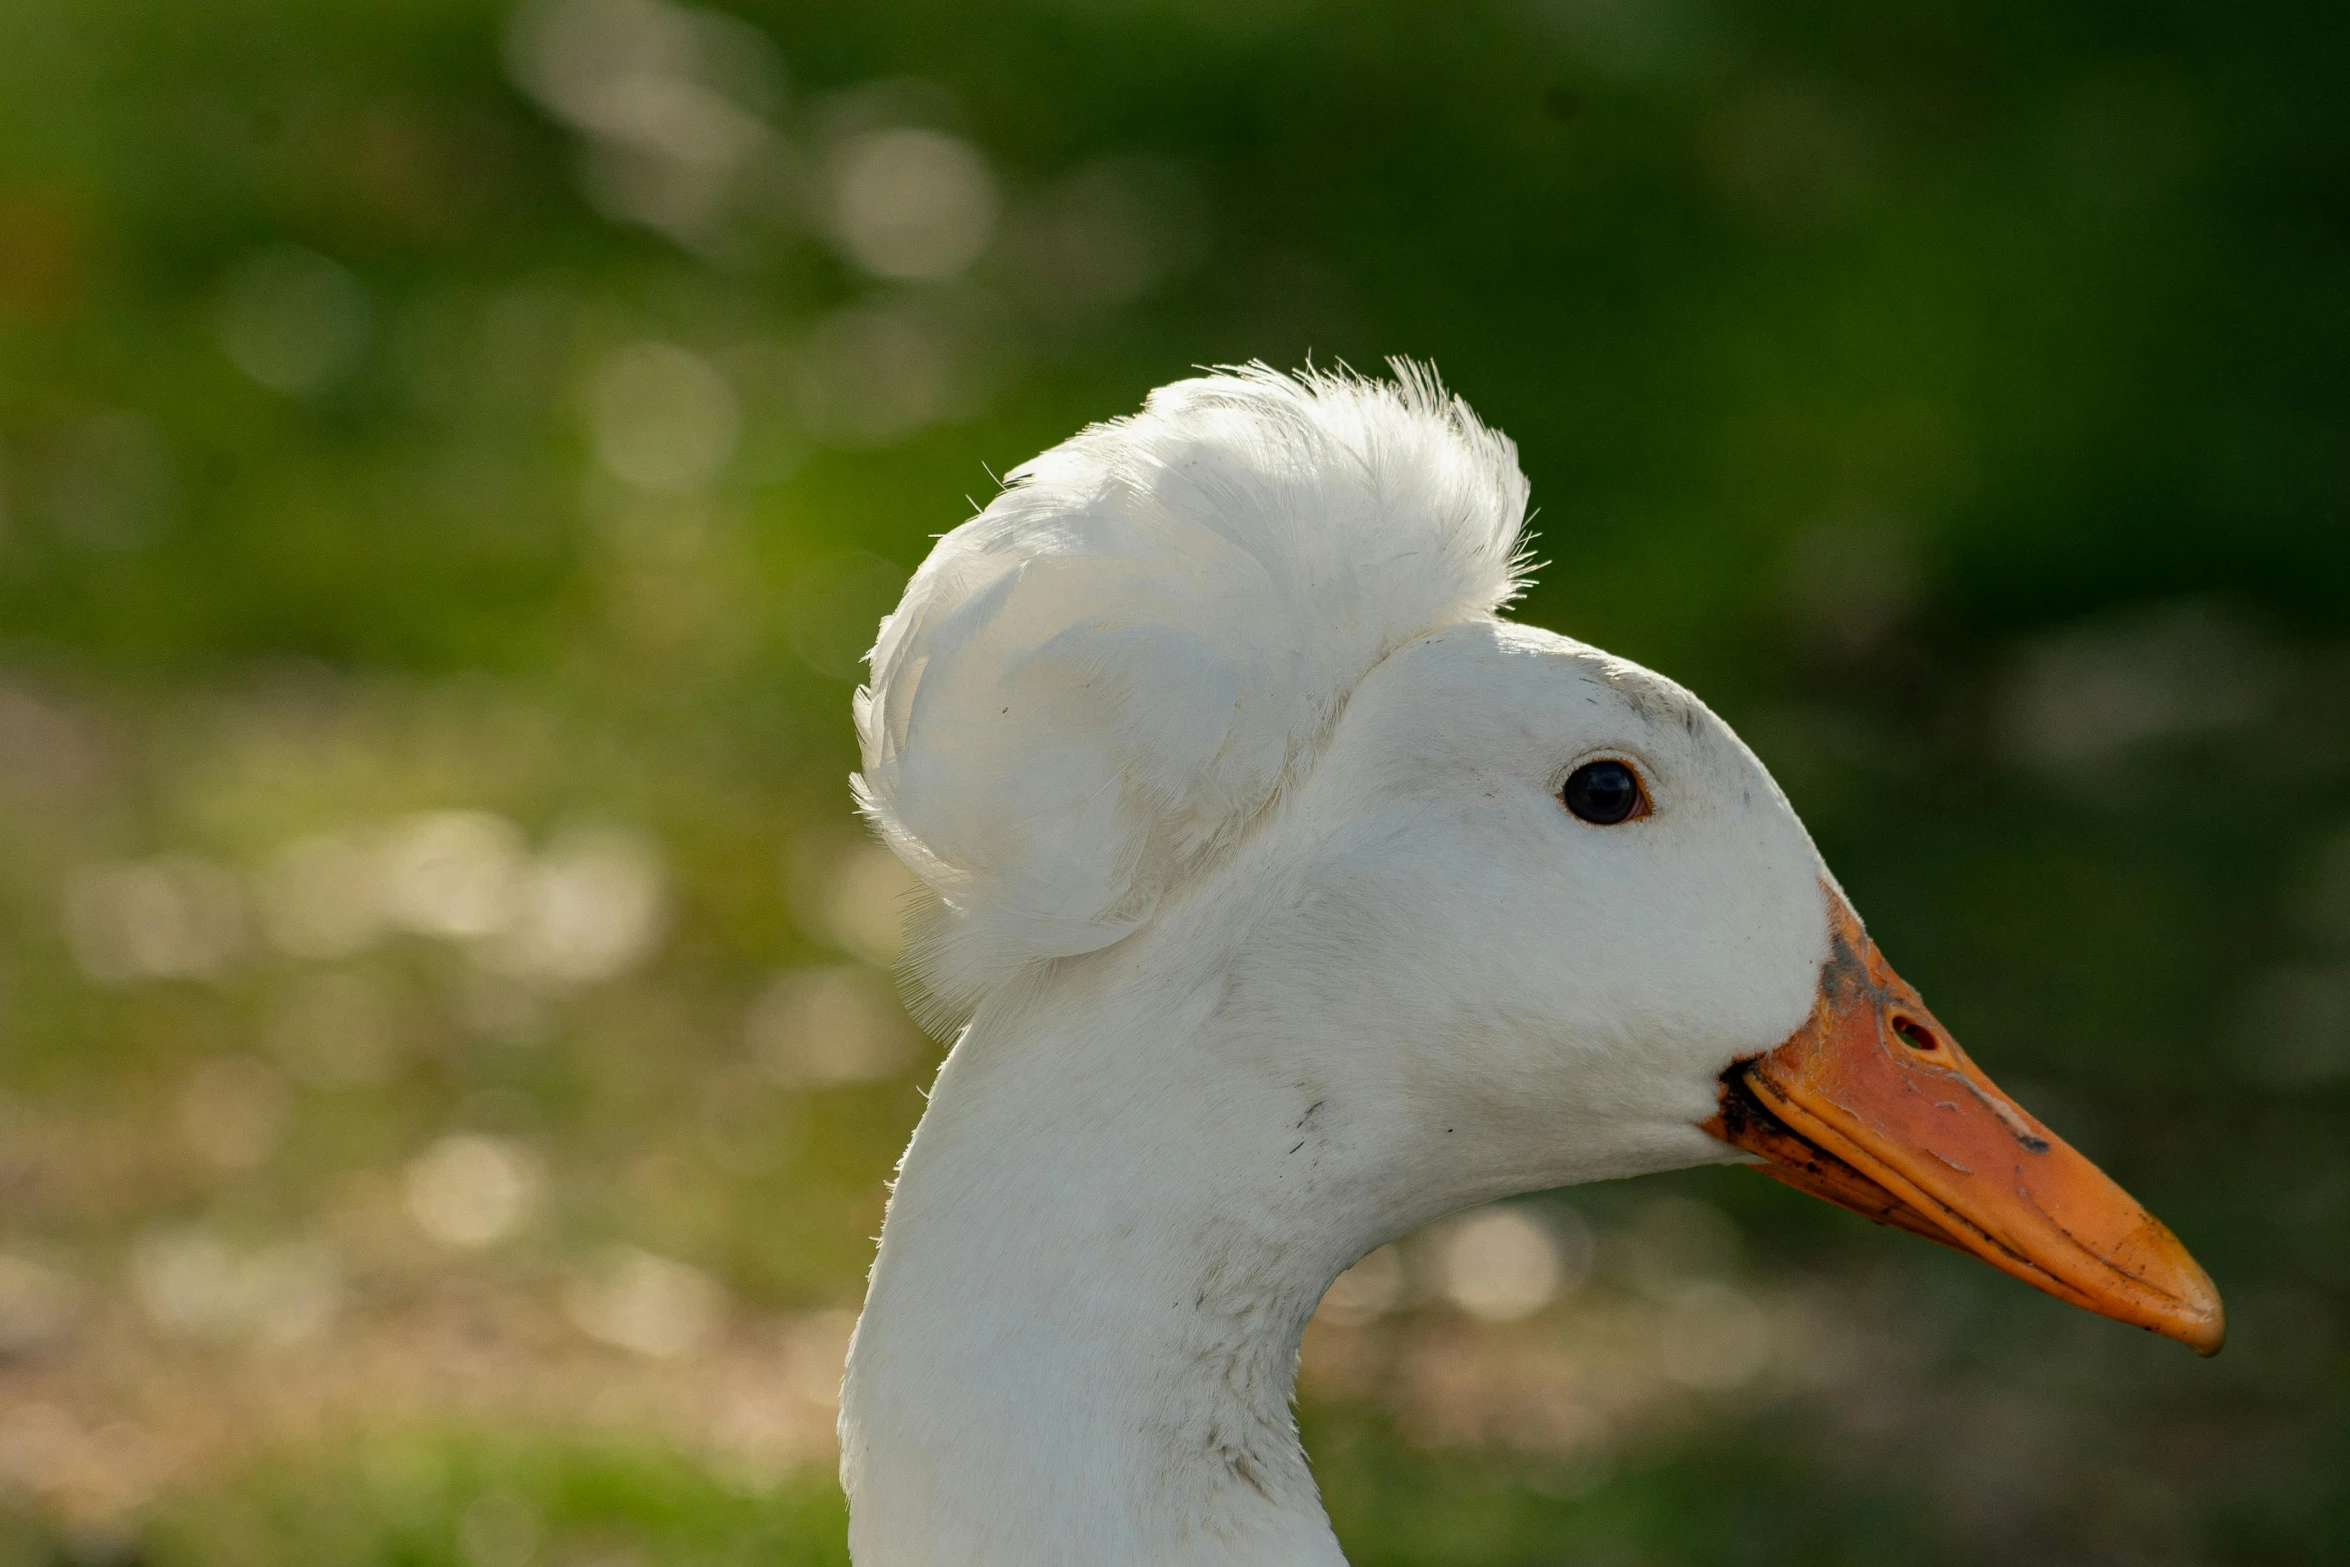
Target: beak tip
{"x":2198,"y":1319}
{"x":2208,"y":1335}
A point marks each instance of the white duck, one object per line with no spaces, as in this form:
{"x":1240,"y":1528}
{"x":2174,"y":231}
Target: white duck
{"x":1295,"y":899}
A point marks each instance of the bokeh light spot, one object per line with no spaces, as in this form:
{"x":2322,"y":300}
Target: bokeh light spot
{"x":293,"y":320}
{"x":664,"y":419}
{"x":470,"y":1191}
{"x":912,"y":205}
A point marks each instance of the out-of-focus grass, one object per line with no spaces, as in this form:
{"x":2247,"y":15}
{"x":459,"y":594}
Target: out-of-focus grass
{"x":455,"y":1499}
{"x":449,"y":469}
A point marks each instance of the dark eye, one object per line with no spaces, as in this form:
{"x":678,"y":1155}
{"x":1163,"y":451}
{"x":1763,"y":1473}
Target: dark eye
{"x":1604,"y":793}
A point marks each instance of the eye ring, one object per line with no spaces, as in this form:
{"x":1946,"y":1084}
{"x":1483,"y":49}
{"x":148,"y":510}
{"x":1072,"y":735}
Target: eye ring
{"x":1606,"y":792}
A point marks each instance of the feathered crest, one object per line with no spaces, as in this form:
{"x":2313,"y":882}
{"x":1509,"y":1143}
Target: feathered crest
{"x":1093,"y":686}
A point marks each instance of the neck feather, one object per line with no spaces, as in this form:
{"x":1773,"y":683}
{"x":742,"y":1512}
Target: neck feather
{"x":1081,"y":1335}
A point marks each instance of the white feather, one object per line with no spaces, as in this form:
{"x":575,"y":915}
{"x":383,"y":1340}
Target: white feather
{"x":1096,"y":683}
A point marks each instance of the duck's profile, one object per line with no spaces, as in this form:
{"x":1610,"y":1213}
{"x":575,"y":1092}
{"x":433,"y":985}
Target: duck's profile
{"x":1295,"y":898}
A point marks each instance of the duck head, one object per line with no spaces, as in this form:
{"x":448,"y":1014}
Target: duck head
{"x":1222,"y":691}
{"x":1552,"y":903}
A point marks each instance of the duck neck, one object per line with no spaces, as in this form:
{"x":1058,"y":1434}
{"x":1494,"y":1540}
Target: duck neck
{"x":1080,"y":1339}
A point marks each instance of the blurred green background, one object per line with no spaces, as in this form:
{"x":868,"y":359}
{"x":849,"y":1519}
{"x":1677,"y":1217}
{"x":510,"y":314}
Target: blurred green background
{"x":452,"y":458}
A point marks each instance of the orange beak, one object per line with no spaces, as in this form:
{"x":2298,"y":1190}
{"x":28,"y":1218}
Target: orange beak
{"x":1873,"y":1106}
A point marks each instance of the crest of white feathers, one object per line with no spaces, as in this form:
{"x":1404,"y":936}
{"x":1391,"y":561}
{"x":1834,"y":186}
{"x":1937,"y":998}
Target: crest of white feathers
{"x":1092,"y":688}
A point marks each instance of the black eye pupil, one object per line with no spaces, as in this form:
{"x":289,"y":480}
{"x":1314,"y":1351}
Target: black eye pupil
{"x":1602,"y":793}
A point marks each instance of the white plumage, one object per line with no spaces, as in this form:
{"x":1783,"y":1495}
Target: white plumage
{"x":1205,"y":731}
{"x":1280,"y":937}
{"x":1105,"y":676}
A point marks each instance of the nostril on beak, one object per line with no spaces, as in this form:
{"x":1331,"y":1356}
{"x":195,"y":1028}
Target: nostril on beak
{"x":1914,"y":1033}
